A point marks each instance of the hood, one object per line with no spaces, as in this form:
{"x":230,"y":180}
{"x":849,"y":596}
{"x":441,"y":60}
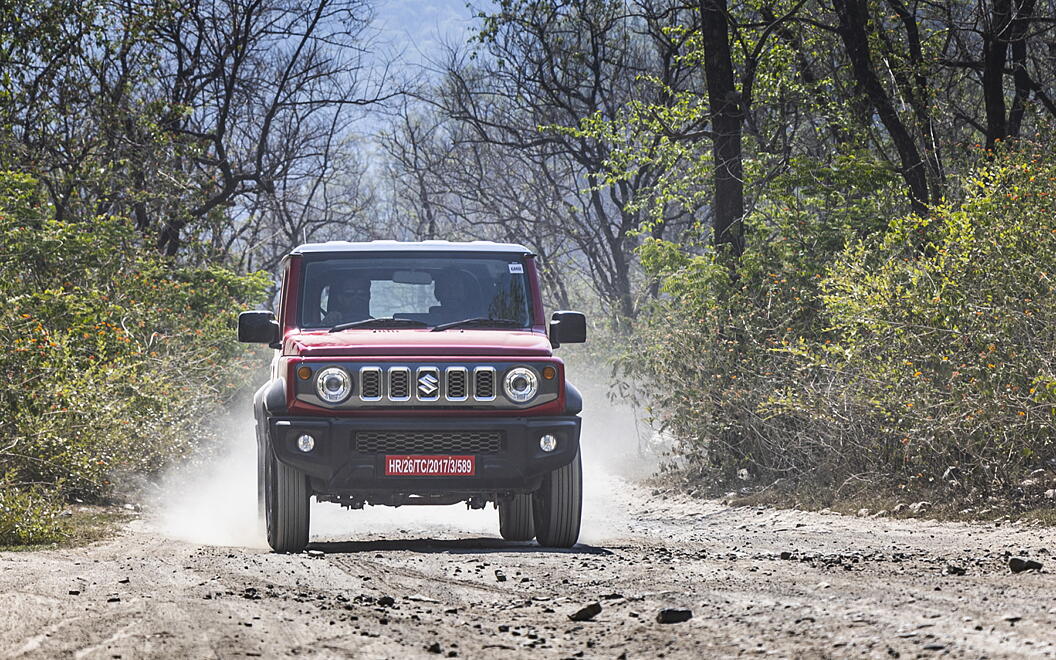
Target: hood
{"x":417,"y":342}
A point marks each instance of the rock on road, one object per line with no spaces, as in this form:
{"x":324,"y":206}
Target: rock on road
{"x":757,"y":581}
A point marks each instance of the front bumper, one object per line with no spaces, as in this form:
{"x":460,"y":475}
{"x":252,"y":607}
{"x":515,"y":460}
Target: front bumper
{"x":337,"y":469}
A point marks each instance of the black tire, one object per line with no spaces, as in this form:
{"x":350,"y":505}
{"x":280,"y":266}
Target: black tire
{"x":515,"y":518}
{"x":557,"y":506}
{"x":262,"y":526}
{"x":286,"y":505}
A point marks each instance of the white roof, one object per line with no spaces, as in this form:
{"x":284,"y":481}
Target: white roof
{"x":404,"y":246}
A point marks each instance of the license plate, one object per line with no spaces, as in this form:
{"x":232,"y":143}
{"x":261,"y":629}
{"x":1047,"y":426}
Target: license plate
{"x":430,"y":466}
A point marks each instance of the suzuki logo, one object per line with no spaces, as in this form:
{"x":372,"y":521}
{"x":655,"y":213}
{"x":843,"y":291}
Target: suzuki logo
{"x":428,"y":386}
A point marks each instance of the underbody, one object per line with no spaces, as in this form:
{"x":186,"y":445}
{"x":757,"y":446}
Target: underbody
{"x":348,"y":464}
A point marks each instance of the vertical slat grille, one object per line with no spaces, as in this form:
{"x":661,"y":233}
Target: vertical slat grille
{"x":484,"y":383}
{"x":370,"y":383}
{"x":412,"y":384}
{"x":457,"y":384}
{"x":399,"y":383}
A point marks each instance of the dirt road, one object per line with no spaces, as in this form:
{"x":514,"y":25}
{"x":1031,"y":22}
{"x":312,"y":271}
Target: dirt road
{"x":758,"y":582}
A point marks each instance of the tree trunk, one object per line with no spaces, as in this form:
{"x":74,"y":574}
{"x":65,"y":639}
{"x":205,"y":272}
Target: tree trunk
{"x":916,"y":89}
{"x":169,"y":238}
{"x":726,"y":118}
{"x":1018,"y":43}
{"x":995,"y":52}
{"x":853,"y":28}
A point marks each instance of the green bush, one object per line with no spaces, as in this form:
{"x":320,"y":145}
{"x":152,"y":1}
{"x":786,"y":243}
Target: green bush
{"x":712,"y":353}
{"x":921,"y":353}
{"x":115,"y":359}
{"x":947,"y":329}
{"x":29,"y":514}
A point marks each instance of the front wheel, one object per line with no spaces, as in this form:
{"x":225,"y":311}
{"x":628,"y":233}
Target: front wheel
{"x":262,"y":472}
{"x":558,"y":506}
{"x":285,"y":504}
{"x":515,"y":518}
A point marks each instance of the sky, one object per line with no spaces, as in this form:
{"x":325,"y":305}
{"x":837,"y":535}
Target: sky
{"x":419,"y":28}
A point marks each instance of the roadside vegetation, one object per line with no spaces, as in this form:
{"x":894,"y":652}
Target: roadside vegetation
{"x":815,"y":239}
{"x":151,"y":163}
{"x":919,"y":358}
{"x":115,"y":360}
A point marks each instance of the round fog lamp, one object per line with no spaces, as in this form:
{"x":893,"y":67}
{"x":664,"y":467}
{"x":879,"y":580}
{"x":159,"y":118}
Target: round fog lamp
{"x":306,"y":443}
{"x":548,"y":443}
{"x":521,"y":384}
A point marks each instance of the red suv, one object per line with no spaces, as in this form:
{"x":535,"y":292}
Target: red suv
{"x":417,"y":373}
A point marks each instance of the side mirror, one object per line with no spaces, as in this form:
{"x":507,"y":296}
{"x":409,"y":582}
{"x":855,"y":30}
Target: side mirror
{"x":567,"y":328}
{"x":257,"y":328}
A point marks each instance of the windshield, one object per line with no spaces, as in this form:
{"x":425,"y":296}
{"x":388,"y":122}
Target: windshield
{"x":433,"y":289}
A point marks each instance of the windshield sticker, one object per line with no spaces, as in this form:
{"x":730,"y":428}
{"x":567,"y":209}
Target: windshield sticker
{"x":516,"y":268}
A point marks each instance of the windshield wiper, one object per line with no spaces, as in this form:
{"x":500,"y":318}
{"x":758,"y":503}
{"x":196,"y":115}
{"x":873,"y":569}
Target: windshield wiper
{"x":479,"y":320}
{"x":384,"y":322}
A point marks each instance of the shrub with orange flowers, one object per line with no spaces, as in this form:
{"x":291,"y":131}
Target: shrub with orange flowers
{"x":922,"y":353}
{"x":114,"y":358}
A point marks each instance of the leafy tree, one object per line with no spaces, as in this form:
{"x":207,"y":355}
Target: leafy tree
{"x":189,"y":118}
{"x":539,"y":68}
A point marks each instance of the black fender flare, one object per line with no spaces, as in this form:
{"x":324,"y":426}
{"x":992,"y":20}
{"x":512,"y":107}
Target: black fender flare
{"x":275,"y":397}
{"x":573,"y":399}
{"x":270,"y":399}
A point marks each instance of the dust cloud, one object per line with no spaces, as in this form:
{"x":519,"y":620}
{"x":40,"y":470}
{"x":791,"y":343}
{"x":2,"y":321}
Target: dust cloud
{"x":616,"y":449}
{"x":212,"y":500}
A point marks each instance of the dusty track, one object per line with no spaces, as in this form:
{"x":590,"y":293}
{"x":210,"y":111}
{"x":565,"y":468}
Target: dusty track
{"x":850,"y":587}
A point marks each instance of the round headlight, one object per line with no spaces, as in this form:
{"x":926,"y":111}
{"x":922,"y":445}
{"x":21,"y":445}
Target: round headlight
{"x":333,"y":384}
{"x":521,"y":384}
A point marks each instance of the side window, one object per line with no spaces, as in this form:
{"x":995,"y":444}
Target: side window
{"x":284,"y":295}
